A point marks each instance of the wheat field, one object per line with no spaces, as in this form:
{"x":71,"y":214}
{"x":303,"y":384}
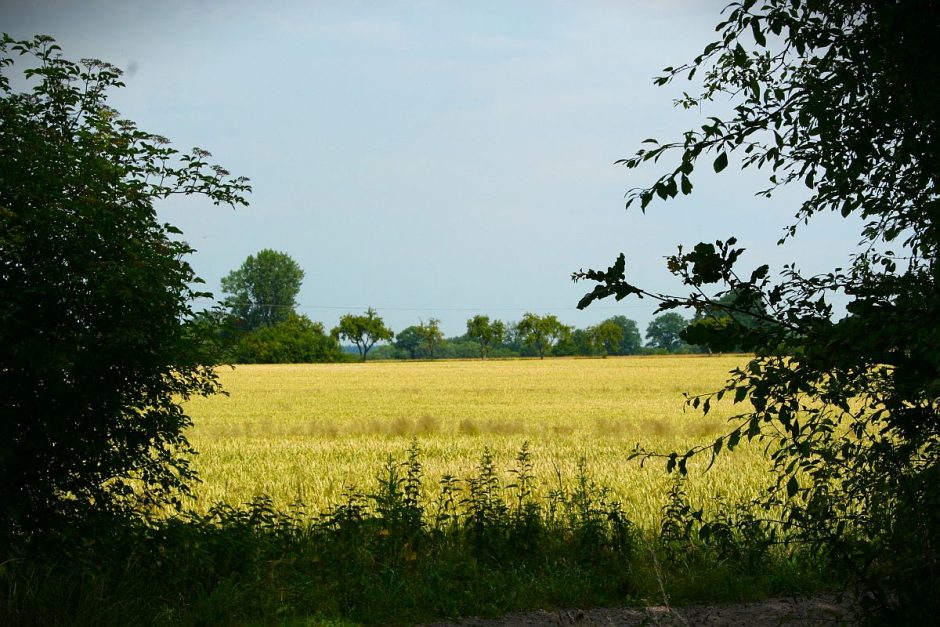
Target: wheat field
{"x":312,"y":432}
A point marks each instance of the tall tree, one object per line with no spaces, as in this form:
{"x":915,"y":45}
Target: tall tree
{"x":841,"y":97}
{"x":631,"y":341}
{"x":487,"y":334}
{"x":99,"y":345}
{"x":542,"y":332}
{"x":665,"y":332}
{"x":409,"y":340}
{"x":363,"y":331}
{"x":607,"y":337}
{"x":583,"y":342}
{"x":263,"y":290}
{"x":431,"y":335}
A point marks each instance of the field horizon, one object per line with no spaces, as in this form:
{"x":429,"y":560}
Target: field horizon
{"x":313,"y":433}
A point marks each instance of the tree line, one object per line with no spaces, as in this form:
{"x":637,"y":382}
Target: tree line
{"x":259,"y":323}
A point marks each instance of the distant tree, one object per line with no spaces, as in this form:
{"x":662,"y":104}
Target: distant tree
{"x":295,"y":340}
{"x":386,"y":352}
{"x":631,"y":341}
{"x":99,"y":344}
{"x":487,"y":334}
{"x":728,"y":324}
{"x":431,"y":335}
{"x":665,"y":332}
{"x":363,"y":331}
{"x":409,"y":341}
{"x":263,"y":290}
{"x":512,"y":340}
{"x":541,"y":332}
{"x":579,"y":342}
{"x":461,"y":347}
{"x":607,"y":336}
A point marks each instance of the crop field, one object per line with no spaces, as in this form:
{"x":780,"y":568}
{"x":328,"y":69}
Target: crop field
{"x":312,"y":432}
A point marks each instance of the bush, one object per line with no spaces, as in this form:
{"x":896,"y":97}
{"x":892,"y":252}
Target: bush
{"x":98,"y":342}
{"x":296,"y":340}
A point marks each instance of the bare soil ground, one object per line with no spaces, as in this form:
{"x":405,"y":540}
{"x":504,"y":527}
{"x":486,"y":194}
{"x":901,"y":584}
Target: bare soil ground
{"x":821,"y":610}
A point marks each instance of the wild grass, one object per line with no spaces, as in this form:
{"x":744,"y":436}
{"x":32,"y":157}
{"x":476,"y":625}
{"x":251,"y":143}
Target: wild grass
{"x":313,"y":432}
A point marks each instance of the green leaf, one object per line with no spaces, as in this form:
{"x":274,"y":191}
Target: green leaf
{"x":721,"y":162}
{"x":758,"y":33}
{"x":760,"y":273}
{"x":793,"y":486}
{"x":755,"y":88}
{"x":716,"y":447}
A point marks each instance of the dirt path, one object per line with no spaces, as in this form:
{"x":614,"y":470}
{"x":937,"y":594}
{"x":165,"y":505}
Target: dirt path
{"x":820,"y":610}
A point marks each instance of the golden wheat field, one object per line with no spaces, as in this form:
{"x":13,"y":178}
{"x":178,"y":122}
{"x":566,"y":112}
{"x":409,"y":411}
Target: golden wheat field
{"x":310,"y":432}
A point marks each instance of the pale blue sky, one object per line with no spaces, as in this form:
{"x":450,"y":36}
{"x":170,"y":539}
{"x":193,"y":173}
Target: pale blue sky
{"x":429,"y":159}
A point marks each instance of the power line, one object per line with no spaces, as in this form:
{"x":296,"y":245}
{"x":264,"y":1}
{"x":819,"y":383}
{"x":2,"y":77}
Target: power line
{"x":432,"y":308}
{"x":377,"y":307}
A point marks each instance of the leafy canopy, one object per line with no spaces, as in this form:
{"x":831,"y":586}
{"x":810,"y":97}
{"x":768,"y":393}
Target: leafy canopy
{"x":631,"y":341}
{"x":98,"y":342}
{"x":296,"y":340}
{"x":263,"y":290}
{"x":542,"y":332}
{"x":409,"y":341}
{"x":841,"y":97}
{"x":430,"y":335}
{"x":665,"y":332}
{"x":363,"y":331}
{"x":488,"y":334}
{"x":607,"y":336}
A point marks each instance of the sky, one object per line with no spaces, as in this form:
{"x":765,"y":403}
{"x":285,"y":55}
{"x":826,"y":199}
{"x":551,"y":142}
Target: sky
{"x":432,"y":159}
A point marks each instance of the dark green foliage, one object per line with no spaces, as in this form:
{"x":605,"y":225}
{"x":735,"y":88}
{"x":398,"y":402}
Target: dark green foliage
{"x":462,"y":347}
{"x":408,"y":340}
{"x":728,"y":553}
{"x":603,"y":339}
{"x":579,"y":342}
{"x":363,"y":331}
{"x":631,"y":341}
{"x":98,"y":343}
{"x":607,"y":337}
{"x":843,"y":97}
{"x":541,"y":333}
{"x":263,"y":290}
{"x":295,"y":340}
{"x":430,"y":336}
{"x":726,"y":326}
{"x":665,"y":332}
{"x":488,"y":334}
{"x":487,"y":338}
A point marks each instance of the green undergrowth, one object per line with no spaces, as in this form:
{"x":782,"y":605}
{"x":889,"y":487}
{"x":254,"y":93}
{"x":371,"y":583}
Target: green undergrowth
{"x":483,"y":547}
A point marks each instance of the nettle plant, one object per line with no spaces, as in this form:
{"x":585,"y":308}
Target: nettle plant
{"x":841,"y":96}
